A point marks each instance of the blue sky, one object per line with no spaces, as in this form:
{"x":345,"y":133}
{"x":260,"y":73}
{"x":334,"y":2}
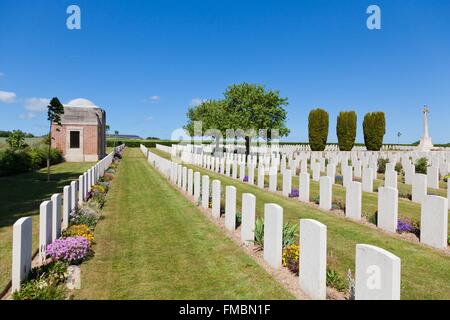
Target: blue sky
{"x":145,"y":62}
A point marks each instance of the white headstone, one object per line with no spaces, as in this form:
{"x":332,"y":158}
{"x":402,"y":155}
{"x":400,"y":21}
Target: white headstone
{"x":377,"y":275}
{"x":326,"y":193}
{"x":419,"y":188}
{"x":56,"y":216}
{"x":45,"y":228}
{"x":242,"y":171}
{"x":73,"y":195}
{"x":387,"y":209}
{"x":230,"y":207}
{"x":433,"y":177}
{"x":184,"y":177}
{"x":367,"y":179}
{"x":81,"y":189}
{"x":66,"y":207}
{"x":316,"y":171}
{"x":313,"y":259}
{"x":248,"y":218}
{"x":190,"y":182}
{"x":353,"y":200}
{"x":303,"y":190}
{"x":205,"y":192}
{"x":216,"y":198}
{"x":434,"y":222}
{"x":251,"y":173}
{"x":21,"y":251}
{"x":273,"y":178}
{"x":390,"y":179}
{"x":273,"y":234}
{"x":261,"y":177}
{"x":197,"y":186}
{"x":234,"y":171}
{"x":331,"y":172}
{"x":287,"y":182}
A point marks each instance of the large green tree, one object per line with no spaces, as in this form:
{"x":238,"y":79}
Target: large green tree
{"x":346,"y":130}
{"x":374,"y":127}
{"x":247,"y":107}
{"x":54,"y":111}
{"x":318,"y":122}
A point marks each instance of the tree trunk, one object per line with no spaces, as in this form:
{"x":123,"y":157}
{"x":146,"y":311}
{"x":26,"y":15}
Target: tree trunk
{"x":247,"y":145}
{"x":49,"y":149}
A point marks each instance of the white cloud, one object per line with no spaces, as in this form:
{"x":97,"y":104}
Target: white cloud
{"x":155,"y":98}
{"x":27,"y":116}
{"x":1,"y":74}
{"x":197,"y":101}
{"x":148,"y":118}
{"x":7,"y":97}
{"x":37,"y":104}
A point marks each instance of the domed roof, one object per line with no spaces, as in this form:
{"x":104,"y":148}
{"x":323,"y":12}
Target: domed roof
{"x":81,"y":103}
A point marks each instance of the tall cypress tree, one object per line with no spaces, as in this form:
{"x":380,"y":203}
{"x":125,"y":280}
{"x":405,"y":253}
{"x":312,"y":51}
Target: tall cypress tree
{"x":374,"y":127}
{"x":318,"y":122}
{"x":346,"y":130}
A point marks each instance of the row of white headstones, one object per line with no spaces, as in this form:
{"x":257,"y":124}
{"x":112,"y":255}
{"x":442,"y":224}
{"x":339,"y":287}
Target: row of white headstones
{"x":434,"y":209}
{"x":377,"y":272}
{"x":53,"y":219}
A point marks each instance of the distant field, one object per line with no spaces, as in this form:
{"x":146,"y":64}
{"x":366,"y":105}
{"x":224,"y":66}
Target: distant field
{"x":29,"y":141}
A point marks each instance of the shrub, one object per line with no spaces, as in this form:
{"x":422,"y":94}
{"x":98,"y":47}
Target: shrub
{"x":44,"y":283}
{"x":238,"y":219}
{"x":79,"y":230}
{"x":72,"y":250}
{"x":101,"y":188}
{"x":97,"y":200}
{"x":294,"y":193}
{"x":374,"y":127}
{"x":382,"y":165}
{"x":316,"y":200}
{"x":334,"y":280}
{"x":399,"y":167}
{"x":446,"y":178}
{"x":39,"y":289}
{"x":318,"y":122}
{"x":14,"y":161}
{"x":245,"y":179}
{"x":23,"y":160}
{"x":290,"y":258}
{"x":421,"y":165}
{"x":259,"y":232}
{"x":338,"y":205}
{"x":346,"y":130}
{"x":290,"y":232}
{"x":16,"y":140}
{"x":84,"y":215}
{"x":408,"y":225}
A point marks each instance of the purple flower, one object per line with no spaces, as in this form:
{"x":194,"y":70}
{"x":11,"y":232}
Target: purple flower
{"x":246,"y":179}
{"x":403,"y":226}
{"x":70,"y":249}
{"x":294,"y":193}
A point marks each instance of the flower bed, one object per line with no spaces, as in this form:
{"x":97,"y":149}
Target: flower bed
{"x":48,"y":281}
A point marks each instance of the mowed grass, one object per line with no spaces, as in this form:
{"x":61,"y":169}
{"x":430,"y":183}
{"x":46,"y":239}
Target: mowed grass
{"x":21,"y":195}
{"x":425,"y":272}
{"x":155,"y":244}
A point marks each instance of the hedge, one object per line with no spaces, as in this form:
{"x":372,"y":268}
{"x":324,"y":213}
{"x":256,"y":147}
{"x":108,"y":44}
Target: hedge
{"x":18,"y":161}
{"x":346,"y":130}
{"x":318,"y":122}
{"x":374,"y":127}
{"x":136,"y":143}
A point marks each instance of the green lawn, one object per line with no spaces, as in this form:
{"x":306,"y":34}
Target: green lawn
{"x":155,"y":244}
{"x":21,"y":195}
{"x":425,"y":272}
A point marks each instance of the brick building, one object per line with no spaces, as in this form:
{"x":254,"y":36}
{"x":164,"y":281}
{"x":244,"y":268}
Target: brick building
{"x":81,"y":136}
